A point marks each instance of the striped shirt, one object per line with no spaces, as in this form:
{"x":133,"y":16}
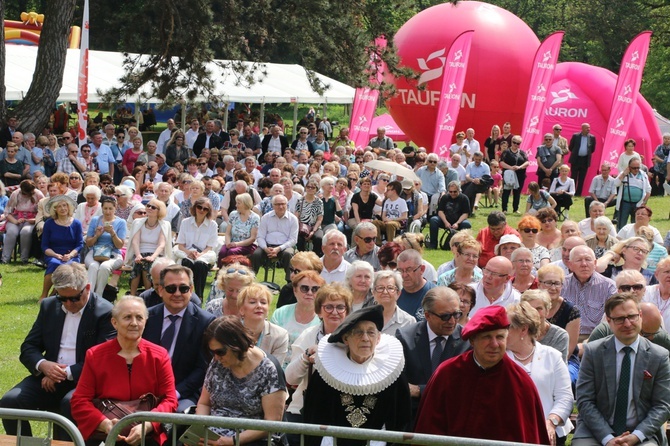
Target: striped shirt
{"x":589,"y":298}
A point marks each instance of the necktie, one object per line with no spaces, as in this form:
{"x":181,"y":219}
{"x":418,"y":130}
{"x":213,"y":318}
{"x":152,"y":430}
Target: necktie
{"x":621,"y":408}
{"x":168,"y":334}
{"x":437,"y":352}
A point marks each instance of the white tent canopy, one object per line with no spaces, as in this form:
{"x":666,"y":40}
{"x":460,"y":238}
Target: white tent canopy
{"x":283,"y":84}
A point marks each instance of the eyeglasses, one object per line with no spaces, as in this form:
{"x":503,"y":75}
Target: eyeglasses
{"x":120,"y":137}
{"x":238,"y":271}
{"x":75,"y":178}
{"x":649,"y":336}
{"x":63,"y":299}
{"x":622,"y":319}
{"x":466,"y":302}
{"x":141,"y":212}
{"x":383,"y":179}
{"x":367,"y":239}
{"x":389,"y":289}
{"x":446,"y":316}
{"x":493,"y":273}
{"x":528,"y":230}
{"x":558,"y":129}
{"x":550,"y":284}
{"x":202,"y":208}
{"x":74,"y":153}
{"x":202,"y":164}
{"x":151,"y":206}
{"x":523,"y":261}
{"x":629,"y":288}
{"x":634,"y":168}
{"x":547,"y":220}
{"x":358,"y":333}
{"x":307,"y":289}
{"x":183,"y":289}
{"x":468,"y":255}
{"x":409,"y":270}
{"x":85,"y":151}
{"x":516,"y":143}
{"x":338,"y":308}
{"x":638,"y":250}
{"x":219,"y":351}
{"x":432,"y":162}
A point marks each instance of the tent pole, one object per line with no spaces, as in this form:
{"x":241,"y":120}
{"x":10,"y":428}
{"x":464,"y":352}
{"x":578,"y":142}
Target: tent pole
{"x":262,"y":120}
{"x":225,"y":117}
{"x":183,"y":114}
{"x":325,"y":109}
{"x":295,"y":118}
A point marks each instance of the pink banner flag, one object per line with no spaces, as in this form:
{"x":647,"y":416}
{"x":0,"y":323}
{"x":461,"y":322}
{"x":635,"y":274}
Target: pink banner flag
{"x":542,"y":75}
{"x":365,"y":101}
{"x":625,"y":97}
{"x":82,"y":85}
{"x":453,"y":79}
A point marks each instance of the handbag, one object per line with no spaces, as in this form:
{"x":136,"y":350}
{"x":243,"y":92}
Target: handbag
{"x":304,"y":230}
{"x":102,"y":253}
{"x":118,"y":409}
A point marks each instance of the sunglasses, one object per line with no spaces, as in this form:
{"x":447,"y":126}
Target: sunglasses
{"x":151,"y":206}
{"x":202,"y":208}
{"x":528,"y":230}
{"x":547,"y":220}
{"x":63,"y":299}
{"x":219,"y":351}
{"x":516,"y":143}
{"x":444,"y":317}
{"x":629,"y":288}
{"x":238,"y":271}
{"x":202,"y":164}
{"x":141,"y":212}
{"x":67,"y":137}
{"x":183,"y":289}
{"x":307,"y":289}
{"x":367,"y":239}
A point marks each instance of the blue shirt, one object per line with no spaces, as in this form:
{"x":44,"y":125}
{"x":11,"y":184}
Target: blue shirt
{"x":105,"y":239}
{"x":432,"y":182}
{"x":104,"y":158}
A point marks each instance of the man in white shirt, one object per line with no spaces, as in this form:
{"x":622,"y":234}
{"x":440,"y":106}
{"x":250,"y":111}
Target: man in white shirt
{"x":470,"y":141}
{"x":165,"y":136}
{"x":495,"y":287}
{"x":192,"y":133}
{"x":334,"y":265}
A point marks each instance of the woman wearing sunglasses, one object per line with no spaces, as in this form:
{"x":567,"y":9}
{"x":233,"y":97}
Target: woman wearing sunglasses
{"x":150,"y":237}
{"x":332,"y":305}
{"x":301,"y":261}
{"x":196,"y":242}
{"x":296,"y":318}
{"x":627,"y":254}
{"x":529,"y":227}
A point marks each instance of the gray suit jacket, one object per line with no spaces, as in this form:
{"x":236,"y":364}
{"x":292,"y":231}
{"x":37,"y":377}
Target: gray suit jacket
{"x":597,"y":386}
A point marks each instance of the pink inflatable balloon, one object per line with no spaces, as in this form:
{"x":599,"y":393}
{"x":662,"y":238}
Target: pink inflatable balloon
{"x":498,"y":74}
{"x":583,"y":93}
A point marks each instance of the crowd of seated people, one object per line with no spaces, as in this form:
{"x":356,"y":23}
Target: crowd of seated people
{"x":348,"y":239}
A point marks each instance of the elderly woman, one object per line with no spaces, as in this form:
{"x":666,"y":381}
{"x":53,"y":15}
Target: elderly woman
{"x":253,"y":303}
{"x":62,"y":237}
{"x":602,"y":239}
{"x":124,"y":201}
{"x":627,"y":254}
{"x":150,"y":237}
{"x":658,"y":251}
{"x":242,"y":381}
{"x":359,"y":280}
{"x":309,"y":211}
{"x":20,"y":212}
{"x":332,"y":305}
{"x":76,"y":182}
{"x":90,"y":208}
{"x":544,"y":365}
{"x":642,"y":218}
{"x":659,"y":294}
{"x":522,"y":260}
{"x":507,"y":245}
{"x":561,"y":312}
{"x":146,"y":365}
{"x":548,"y":334}
{"x":332,"y":211}
{"x":242,"y":228}
{"x":301,"y":261}
{"x":549,"y":235}
{"x":528,"y":227}
{"x":562,"y":190}
{"x":386,"y":291}
{"x":467,"y":272}
{"x":588,"y":226}
{"x":467,"y":297}
{"x":105,"y":237}
{"x":296,"y":318}
{"x":352,"y":365}
{"x":230,"y":281}
{"x":196,"y":243}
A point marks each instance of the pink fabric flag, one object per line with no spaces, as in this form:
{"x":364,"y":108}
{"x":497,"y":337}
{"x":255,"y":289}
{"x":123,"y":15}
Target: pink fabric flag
{"x":625,"y":98}
{"x":365,"y":101}
{"x":541,"y":78}
{"x":453,"y":79}
{"x":82,"y":85}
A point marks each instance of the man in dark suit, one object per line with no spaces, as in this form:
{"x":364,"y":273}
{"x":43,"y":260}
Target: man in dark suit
{"x":178,"y":325}
{"x":441,"y":305}
{"x":623,"y":389}
{"x":273,"y":142}
{"x":582,"y":145}
{"x":67,"y":325}
{"x":8,"y":131}
{"x":209,"y":139}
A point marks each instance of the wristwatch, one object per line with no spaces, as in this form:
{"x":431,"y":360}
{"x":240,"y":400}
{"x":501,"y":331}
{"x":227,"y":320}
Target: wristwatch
{"x":554,"y":421}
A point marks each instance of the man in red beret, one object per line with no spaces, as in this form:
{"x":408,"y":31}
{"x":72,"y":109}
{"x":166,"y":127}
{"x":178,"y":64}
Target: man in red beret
{"x":483,"y":393}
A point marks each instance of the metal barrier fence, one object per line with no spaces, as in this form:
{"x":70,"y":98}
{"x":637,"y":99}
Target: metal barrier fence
{"x":49,"y":417}
{"x":295,"y":428}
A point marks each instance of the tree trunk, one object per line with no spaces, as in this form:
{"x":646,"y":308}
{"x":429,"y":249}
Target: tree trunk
{"x":34,"y":110}
{"x":3,"y":58}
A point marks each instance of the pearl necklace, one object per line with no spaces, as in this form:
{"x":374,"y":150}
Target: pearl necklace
{"x":526,"y":358}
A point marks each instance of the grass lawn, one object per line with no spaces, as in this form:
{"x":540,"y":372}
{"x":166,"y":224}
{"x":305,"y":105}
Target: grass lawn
{"x":23,"y":284}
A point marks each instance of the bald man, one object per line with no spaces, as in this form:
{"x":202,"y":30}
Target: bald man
{"x":495,"y":288}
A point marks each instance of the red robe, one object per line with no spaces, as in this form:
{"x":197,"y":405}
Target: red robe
{"x":463,"y":400}
{"x":106,"y":375}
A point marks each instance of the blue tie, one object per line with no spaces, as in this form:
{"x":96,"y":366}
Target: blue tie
{"x":621,"y":408}
{"x":168,"y":334}
{"x":437,"y":353}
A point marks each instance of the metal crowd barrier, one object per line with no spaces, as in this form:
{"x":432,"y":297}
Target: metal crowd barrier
{"x":49,"y":417}
{"x":238,"y":424}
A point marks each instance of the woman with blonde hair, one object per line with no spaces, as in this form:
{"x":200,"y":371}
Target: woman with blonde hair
{"x":229,"y":282}
{"x":548,"y":334}
{"x":254,"y":303}
{"x":658,"y":251}
{"x":467,"y":272}
{"x":627,"y":254}
{"x":491,"y":144}
{"x":561,"y":312}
